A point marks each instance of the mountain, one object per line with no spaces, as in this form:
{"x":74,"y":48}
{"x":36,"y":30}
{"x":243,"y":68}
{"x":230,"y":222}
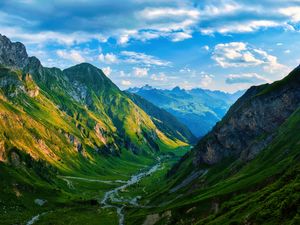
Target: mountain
{"x":198,"y":109}
{"x":74,"y":149}
{"x":73,"y":122}
{"x":164,"y":120}
{"x":244,"y":171}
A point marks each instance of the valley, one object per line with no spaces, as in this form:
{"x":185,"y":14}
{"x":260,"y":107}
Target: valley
{"x":198,"y":109}
{"x":77,"y":199}
{"x":76,"y":149}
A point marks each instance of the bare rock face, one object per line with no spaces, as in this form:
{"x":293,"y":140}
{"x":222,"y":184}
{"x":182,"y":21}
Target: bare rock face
{"x":75,"y":142}
{"x":10,"y":83}
{"x":101,"y":134}
{"x":15,"y":159}
{"x":12,"y":55}
{"x":31,"y":88}
{"x":252,"y":121}
{"x":2,"y":152}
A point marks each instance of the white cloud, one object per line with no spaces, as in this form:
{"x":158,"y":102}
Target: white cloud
{"x":140,"y":72}
{"x":125,"y":35}
{"x":240,"y":27}
{"x":293,"y":12}
{"x":251,"y":78}
{"x":141,"y":58}
{"x":185,"y":70}
{"x":122,"y":73}
{"x":180,"y":36}
{"x":206,"y":80}
{"x":224,"y":8}
{"x":107,"y":71}
{"x":159,"y":13}
{"x":44,"y":37}
{"x":270,"y":62}
{"x":234,"y":54}
{"x":108,"y":58}
{"x":287,"y":51}
{"x":126,"y":82}
{"x":169,"y":19}
{"x":206,"y":47}
{"x":240,"y":54}
{"x":141,"y":20}
{"x":73,"y":55}
{"x":159,"y":77}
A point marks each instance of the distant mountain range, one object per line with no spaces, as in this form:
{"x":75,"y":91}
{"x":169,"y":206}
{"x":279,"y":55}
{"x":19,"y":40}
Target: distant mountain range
{"x":71,"y":139}
{"x":199,"y":109}
{"x":245,"y":171}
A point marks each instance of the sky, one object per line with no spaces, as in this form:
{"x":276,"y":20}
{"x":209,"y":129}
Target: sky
{"x":219,"y":45}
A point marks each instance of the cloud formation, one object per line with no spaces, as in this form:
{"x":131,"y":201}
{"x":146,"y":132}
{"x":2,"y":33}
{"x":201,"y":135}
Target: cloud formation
{"x":73,"y":55}
{"x":108,"y":58}
{"x":151,"y":41}
{"x":65,"y":22}
{"x":250,"y":78}
{"x":125,"y":82}
{"x":142,"y":59}
{"x":140,"y":72}
{"x":240,"y":54}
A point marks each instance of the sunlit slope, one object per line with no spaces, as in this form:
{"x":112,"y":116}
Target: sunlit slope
{"x":49,"y":128}
{"x":262,"y":191}
{"x":49,"y":124}
{"x":245,"y":171}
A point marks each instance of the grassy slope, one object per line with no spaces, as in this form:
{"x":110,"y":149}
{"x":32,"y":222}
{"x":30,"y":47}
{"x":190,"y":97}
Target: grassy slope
{"x":198,"y":109}
{"x":33,"y":132}
{"x":263,"y":191}
{"x":163,"y":120}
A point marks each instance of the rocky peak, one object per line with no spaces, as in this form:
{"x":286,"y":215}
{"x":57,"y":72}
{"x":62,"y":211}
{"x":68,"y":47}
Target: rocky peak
{"x":89,"y":76}
{"x":147,"y":87}
{"x":12,"y":54}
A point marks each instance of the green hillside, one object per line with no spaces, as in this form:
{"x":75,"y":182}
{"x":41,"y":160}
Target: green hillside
{"x":164,"y":120}
{"x":198,"y":109}
{"x":73,"y":123}
{"x":237,"y":188}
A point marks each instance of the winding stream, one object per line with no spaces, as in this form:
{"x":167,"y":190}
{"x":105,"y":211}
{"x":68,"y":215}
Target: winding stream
{"x":111,"y":199}
{"x":35,"y":219}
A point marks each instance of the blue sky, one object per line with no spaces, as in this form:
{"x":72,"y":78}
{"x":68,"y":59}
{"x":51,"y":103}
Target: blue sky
{"x":226,"y":45}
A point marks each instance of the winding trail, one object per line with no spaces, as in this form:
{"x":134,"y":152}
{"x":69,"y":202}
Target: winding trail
{"x":66,"y":178}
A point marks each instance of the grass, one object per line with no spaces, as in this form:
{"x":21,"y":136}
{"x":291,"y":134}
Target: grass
{"x":23,"y":184}
{"x":262,"y":191}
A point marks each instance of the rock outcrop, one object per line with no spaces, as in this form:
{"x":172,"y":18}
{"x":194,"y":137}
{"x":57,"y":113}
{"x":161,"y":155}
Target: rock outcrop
{"x":2,"y":152}
{"x":12,"y":54}
{"x":249,"y":125}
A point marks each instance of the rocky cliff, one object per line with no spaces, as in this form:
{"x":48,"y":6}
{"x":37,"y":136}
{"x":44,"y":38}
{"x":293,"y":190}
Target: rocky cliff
{"x":12,"y":54}
{"x":251,"y":122}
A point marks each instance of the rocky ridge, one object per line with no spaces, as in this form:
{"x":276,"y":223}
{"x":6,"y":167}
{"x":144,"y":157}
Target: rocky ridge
{"x":12,"y":54}
{"x":250,"y":124}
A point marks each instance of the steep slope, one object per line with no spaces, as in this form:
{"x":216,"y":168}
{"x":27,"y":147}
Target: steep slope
{"x":249,"y":125}
{"x":198,"y":109}
{"x":74,"y":122}
{"x":245,"y":171}
{"x":164,"y":120}
{"x":12,"y":54}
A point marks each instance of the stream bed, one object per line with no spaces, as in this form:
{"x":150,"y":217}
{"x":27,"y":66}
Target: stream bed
{"x":111,"y":199}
